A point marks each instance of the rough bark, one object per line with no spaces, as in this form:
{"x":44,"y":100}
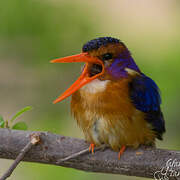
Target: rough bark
{"x":142,"y":162}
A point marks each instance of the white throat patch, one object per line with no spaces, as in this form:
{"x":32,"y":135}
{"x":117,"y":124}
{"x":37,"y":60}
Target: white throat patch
{"x":95,"y":86}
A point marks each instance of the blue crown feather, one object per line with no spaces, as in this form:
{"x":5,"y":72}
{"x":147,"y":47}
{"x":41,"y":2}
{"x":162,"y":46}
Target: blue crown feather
{"x":98,"y":42}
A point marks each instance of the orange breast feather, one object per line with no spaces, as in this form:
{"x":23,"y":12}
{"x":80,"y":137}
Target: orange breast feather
{"x":109,"y":117}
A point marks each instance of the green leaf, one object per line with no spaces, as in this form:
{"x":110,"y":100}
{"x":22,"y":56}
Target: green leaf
{"x":1,"y":122}
{"x":28,"y":108}
{"x":20,"y":126}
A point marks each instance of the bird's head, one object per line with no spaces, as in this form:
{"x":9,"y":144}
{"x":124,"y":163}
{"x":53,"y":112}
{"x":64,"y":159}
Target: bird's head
{"x":105,"y":58}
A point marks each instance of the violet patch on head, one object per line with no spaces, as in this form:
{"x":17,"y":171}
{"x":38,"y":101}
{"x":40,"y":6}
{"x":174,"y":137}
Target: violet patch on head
{"x":117,"y":68}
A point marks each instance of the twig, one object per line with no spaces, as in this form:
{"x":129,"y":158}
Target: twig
{"x":75,"y":155}
{"x":34,"y":139}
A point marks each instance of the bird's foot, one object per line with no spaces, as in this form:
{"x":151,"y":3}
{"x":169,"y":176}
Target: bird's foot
{"x":121,"y":151}
{"x":91,"y":148}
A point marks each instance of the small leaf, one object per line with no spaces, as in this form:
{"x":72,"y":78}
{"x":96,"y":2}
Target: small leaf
{"x":20,"y":126}
{"x":28,"y":108}
{"x":1,"y":122}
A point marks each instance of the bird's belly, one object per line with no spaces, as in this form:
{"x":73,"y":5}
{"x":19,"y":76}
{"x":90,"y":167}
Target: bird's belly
{"x":110,"y":118}
{"x":102,"y":133}
{"x":122,"y":132}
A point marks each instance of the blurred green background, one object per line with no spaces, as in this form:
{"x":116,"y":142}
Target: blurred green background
{"x":32,"y":32}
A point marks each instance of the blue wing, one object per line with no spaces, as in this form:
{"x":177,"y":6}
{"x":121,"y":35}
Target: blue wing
{"x":144,"y":94}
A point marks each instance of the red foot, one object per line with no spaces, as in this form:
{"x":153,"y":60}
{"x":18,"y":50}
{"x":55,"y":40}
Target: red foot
{"x":91,"y":148}
{"x":121,"y":151}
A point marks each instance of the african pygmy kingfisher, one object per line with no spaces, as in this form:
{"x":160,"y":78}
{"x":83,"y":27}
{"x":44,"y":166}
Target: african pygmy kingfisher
{"x":113,"y":102}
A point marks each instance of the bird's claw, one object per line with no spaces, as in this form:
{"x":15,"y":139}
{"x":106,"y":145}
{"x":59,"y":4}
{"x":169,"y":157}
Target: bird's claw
{"x":91,"y":148}
{"x":121,"y":151}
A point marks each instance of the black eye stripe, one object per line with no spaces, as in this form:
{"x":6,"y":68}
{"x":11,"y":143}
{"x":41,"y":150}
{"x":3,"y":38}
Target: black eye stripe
{"x":107,"y":56}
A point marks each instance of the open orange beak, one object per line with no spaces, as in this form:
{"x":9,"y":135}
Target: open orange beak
{"x":84,"y":77}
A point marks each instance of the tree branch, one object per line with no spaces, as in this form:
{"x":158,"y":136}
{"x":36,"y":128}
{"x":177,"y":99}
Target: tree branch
{"x":54,"y":149}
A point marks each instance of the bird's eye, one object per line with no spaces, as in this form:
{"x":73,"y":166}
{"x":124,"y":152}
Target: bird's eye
{"x":107,"y":56}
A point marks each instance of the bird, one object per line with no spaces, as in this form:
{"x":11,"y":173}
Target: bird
{"x":113,"y":102}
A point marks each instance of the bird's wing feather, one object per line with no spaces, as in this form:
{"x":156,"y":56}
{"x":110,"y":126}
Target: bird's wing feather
{"x":145,"y":96}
